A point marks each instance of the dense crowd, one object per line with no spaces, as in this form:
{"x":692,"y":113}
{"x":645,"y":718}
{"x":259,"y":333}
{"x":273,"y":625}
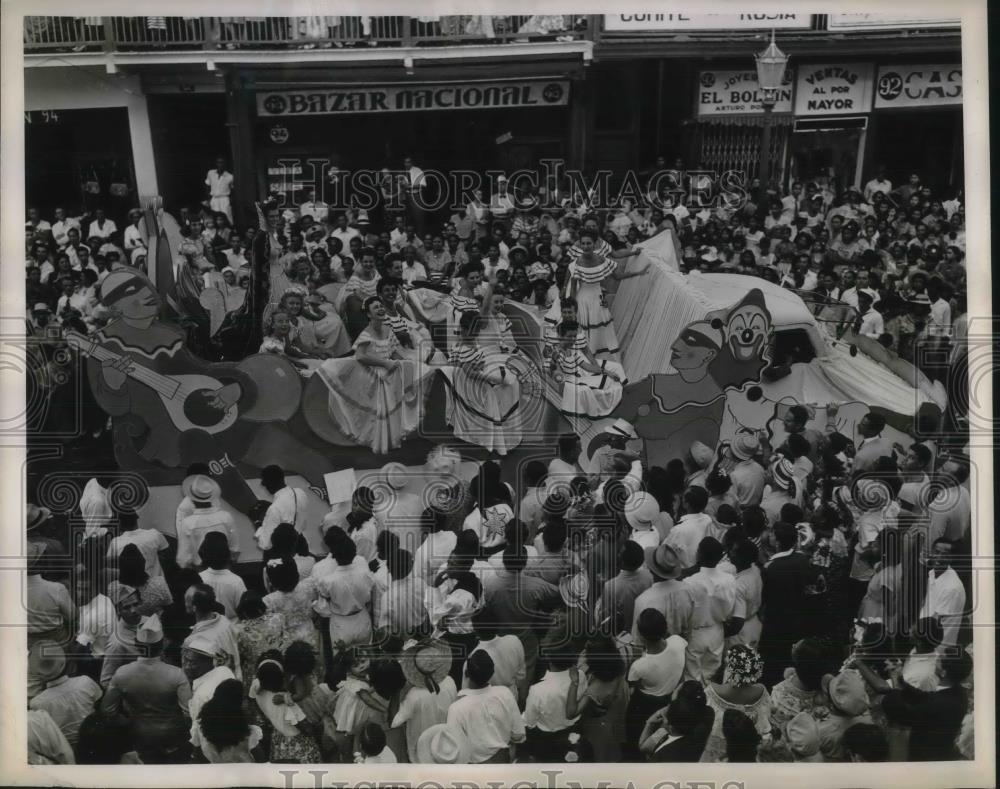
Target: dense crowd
{"x":803,"y":602}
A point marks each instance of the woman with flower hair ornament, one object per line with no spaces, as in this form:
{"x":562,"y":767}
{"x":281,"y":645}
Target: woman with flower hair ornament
{"x":740,"y":690}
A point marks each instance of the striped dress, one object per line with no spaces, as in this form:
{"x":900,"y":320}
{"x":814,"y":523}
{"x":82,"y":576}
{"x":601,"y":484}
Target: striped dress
{"x":587,"y":395}
{"x":480,"y":411}
{"x":586,"y":283}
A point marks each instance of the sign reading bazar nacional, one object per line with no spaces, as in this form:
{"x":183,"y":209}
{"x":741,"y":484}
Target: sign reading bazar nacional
{"x":345,"y":100}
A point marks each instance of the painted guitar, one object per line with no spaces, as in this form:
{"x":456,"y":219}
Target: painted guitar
{"x":189,"y":398}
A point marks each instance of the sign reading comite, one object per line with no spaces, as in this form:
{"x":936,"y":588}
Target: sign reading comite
{"x":705,"y":21}
{"x":399,"y":98}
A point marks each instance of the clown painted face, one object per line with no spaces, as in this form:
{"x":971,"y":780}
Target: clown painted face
{"x":698,"y":344}
{"x":748,"y":328}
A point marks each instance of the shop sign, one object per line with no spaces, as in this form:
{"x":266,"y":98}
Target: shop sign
{"x":705,"y":21}
{"x":833,"y":88}
{"x":887,"y":21}
{"x":738,"y":93}
{"x":404,"y":98}
{"x":918,"y":86}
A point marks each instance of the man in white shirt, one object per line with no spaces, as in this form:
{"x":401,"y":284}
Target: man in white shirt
{"x":343,"y":233}
{"x":939,"y":323}
{"x":714,"y":604}
{"x":133,"y":237}
{"x":150,"y":542}
{"x":507,"y":653}
{"x":564,"y":468}
{"x":951,"y":509}
{"x":209,"y":624}
{"x":101,"y":227}
{"x":61,"y":228}
{"x":69,"y":700}
{"x":198,"y":664}
{"x":487,"y":714}
{"x":878,"y":184}
{"x":872,"y":445}
{"x":545,"y":709}
{"x":312,"y":207}
{"x":204,"y":494}
{"x":870,"y":320}
{"x":35,"y":223}
{"x":220,"y":186}
{"x":397,"y":236}
{"x":945,"y":599}
{"x":415,"y":183}
{"x":691,"y":529}
{"x":288,"y":505}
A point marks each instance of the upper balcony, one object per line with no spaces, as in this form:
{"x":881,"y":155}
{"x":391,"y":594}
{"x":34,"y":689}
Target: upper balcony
{"x":68,"y":34}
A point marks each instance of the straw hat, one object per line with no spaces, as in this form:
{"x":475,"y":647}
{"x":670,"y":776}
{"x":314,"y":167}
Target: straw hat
{"x":119,"y":593}
{"x":47,"y":661}
{"x":701,"y":454}
{"x":621,"y":428}
{"x":443,"y":744}
{"x":395,"y":475}
{"x":663,"y":562}
{"x":201,"y":644}
{"x":847,"y":692}
{"x":802,"y":733}
{"x":573,"y":590}
{"x":745,"y":446}
{"x":426,"y":664}
{"x":203,"y":489}
{"x":642,"y":511}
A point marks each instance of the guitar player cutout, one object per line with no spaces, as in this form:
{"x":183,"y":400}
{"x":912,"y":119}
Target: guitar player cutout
{"x":177,"y":409}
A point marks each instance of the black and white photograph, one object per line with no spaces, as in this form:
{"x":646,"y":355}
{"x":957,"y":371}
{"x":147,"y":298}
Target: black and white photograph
{"x":565,"y":393}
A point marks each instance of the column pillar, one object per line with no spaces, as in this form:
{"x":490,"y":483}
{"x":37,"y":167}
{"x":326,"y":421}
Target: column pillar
{"x":239,"y":120}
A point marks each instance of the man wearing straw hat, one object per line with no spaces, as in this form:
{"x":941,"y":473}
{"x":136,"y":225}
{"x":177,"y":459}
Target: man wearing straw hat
{"x":155,"y":696}
{"x":50,"y":607}
{"x":199,"y":661}
{"x":430,"y":692}
{"x":668,"y":594}
{"x":443,"y":744}
{"x":67,"y":699}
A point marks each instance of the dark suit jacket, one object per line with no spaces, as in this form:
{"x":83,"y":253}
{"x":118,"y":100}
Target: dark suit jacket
{"x":785,"y":581}
{"x":690,"y":747}
{"x":934,"y":717}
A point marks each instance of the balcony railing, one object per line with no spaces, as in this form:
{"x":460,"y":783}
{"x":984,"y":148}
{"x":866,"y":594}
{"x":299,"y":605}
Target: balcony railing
{"x":150,"y":33}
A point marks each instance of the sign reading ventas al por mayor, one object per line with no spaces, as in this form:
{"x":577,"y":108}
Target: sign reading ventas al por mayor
{"x":738,"y":93}
{"x":346,"y":100}
{"x":918,"y":86}
{"x":705,"y":21}
{"x":833,"y":88}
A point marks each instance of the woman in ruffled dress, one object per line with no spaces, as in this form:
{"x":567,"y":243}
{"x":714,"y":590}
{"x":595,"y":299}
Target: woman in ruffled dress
{"x":590,"y":388}
{"x":585,"y":283}
{"x":376,"y":398}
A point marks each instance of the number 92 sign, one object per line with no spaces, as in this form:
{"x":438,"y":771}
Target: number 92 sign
{"x":918,"y":86}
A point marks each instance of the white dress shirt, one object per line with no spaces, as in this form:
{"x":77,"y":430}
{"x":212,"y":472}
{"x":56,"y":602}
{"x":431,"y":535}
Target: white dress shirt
{"x":228,"y":586}
{"x":872,"y":324}
{"x":68,"y":700}
{"x":507,"y":653}
{"x":420,"y":709}
{"x":102,"y":231}
{"x":945,"y":600}
{"x":193,"y":529}
{"x":219,"y":184}
{"x":489,"y":718}
{"x":60,"y":230}
{"x":545,"y":708}
{"x":149,"y":542}
{"x":96,"y":624}
{"x":690,"y":530}
{"x":289,"y":506}
{"x":202,"y":689}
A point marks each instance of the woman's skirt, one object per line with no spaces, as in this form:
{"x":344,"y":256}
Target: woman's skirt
{"x":594,"y":319}
{"x":483,"y":413}
{"x":375,"y":407}
{"x":592,"y":396}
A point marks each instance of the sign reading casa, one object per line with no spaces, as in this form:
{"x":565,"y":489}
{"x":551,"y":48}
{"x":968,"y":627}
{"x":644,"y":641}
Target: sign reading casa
{"x":399,"y":98}
{"x":738,"y":93}
{"x":705,"y":21}
{"x":833,"y":88}
{"x":918,"y":86}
